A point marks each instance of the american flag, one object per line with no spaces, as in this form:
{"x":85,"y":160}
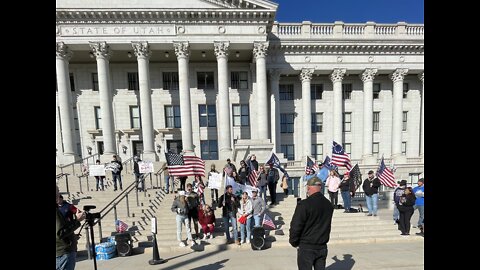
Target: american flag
{"x":179,"y":165}
{"x":252,"y":175}
{"x":339,"y":157}
{"x":311,"y":166}
{"x":385,"y":175}
{"x":268,"y":222}
{"x":120,"y":226}
{"x":273,"y":159}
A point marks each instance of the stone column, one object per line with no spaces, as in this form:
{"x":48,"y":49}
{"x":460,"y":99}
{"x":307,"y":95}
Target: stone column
{"x":367,"y":77}
{"x":182,"y":50}
{"x":224,"y":135}
{"x":259,"y":52}
{"x":65,"y":100}
{"x":397,"y":111}
{"x":337,"y":78}
{"x":275,"y":109}
{"x":306,"y":77}
{"x":102,"y":52}
{"x":422,"y":121}
{"x":142,"y":52}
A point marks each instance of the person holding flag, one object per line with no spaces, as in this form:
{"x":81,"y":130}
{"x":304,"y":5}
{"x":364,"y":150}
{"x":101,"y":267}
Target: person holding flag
{"x":272,"y":179}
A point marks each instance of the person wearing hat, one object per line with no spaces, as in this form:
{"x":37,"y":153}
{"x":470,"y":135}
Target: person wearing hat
{"x":370,"y":187}
{"x":346,"y":186}
{"x":310,"y":227}
{"x":180,"y":207}
{"x":259,"y":207}
{"x":230,"y":204}
{"x":397,"y":194}
{"x":419,"y":203}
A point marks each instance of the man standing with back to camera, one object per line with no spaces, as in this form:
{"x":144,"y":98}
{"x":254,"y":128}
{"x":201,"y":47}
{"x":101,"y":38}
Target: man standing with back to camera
{"x":310,"y":227}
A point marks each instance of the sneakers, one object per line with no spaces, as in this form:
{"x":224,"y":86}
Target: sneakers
{"x":374,"y":215}
{"x":237,"y":242}
{"x":211,"y":236}
{"x":204,"y":237}
{"x":369,"y":215}
{"x":181,"y":244}
{"x":193,"y":243}
{"x":242,"y":242}
{"x":248,"y":241}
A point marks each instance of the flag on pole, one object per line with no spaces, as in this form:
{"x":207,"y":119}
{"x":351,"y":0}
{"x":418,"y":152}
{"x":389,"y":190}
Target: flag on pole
{"x":311,"y":166}
{"x":253,"y":174}
{"x":120,"y":226}
{"x":327,"y":164}
{"x":267,"y":222}
{"x":356,"y":176}
{"x":186,"y":165}
{"x":339,"y":157}
{"x":385,"y":175}
{"x":273,"y":159}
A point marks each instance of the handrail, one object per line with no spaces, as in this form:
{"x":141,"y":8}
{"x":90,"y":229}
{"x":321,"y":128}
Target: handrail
{"x":60,"y":175}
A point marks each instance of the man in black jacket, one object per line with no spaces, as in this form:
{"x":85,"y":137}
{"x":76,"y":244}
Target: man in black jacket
{"x":370,"y":187}
{"x":310,"y":227}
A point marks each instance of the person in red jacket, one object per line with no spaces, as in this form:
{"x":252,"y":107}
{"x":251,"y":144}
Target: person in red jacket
{"x":206,"y":218}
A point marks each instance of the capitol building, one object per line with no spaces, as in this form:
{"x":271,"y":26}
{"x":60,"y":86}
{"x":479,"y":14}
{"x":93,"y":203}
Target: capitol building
{"x":224,"y":79}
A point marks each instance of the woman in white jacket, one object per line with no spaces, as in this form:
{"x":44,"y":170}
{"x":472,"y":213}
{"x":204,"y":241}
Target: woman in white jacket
{"x":245,"y":212}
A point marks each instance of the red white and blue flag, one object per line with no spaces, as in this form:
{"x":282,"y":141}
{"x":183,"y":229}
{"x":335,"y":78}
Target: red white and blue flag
{"x":267,"y":222}
{"x":253,"y":174}
{"x":339,"y":157}
{"x":186,"y":165}
{"x":385,"y":175}
{"x":120,"y":226}
{"x":311,"y":166}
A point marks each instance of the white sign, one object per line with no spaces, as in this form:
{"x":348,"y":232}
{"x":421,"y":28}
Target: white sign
{"x":238,"y":189}
{"x":145,"y":166}
{"x":89,"y":30}
{"x":96,"y":170}
{"x":215,"y":181}
{"x":154,"y":224}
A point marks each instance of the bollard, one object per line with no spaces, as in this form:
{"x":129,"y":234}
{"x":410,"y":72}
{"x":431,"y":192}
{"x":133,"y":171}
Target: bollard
{"x":156,"y":256}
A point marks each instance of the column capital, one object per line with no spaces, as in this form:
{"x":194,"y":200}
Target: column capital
{"x":398,"y":74}
{"x":368,"y":74}
{"x":101,"y":50}
{"x":260,"y":49}
{"x":141,"y":49}
{"x":221,"y":48}
{"x":338,"y":74}
{"x":274,"y":74}
{"x":63,"y":51}
{"x":306,"y":74}
{"x":420,"y":76}
{"x":182,"y":49}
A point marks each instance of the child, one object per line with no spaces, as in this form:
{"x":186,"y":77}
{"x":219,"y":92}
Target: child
{"x":206,"y":218}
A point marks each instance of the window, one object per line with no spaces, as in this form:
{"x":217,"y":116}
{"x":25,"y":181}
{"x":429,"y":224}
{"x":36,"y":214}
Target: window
{"x":207,"y":115}
{"x":239,"y":80}
{"x":95,"y":81}
{"x":209,"y":149}
{"x":100,"y":148}
{"x":375,"y":147}
{"x":376,"y":90}
{"x":317,"y":122}
{"x":135,"y":117}
{"x":348,"y":148}
{"x":170,"y":80}
{"x":413,"y":179}
{"x":205,"y":80}
{"x":286,"y":122}
{"x":317,"y":151}
{"x":75,"y":120}
{"x":404,"y":148}
{"x":172,"y":117}
{"x":376,"y":121}
{"x":288,"y":150}
{"x":316,"y":91}
{"x":347,"y":122}
{"x":133,"y":81}
{"x":98,"y":117}
{"x":286,"y":91}
{"x":240,"y":115}
{"x":72,"y":83}
{"x":79,"y":149}
{"x":404,"y":121}
{"x":405,"y":90}
{"x":347,"y":91}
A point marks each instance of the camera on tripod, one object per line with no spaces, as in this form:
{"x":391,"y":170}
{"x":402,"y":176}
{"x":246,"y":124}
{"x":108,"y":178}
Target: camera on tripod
{"x":90,"y":217}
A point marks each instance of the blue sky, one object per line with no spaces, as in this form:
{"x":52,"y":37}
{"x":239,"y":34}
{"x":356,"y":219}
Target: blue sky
{"x":350,"y":11}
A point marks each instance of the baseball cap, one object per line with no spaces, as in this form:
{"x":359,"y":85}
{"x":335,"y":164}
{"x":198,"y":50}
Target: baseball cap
{"x":314,"y":181}
{"x":420,"y":180}
{"x":346,"y":173}
{"x":370,"y":172}
{"x":403,"y":183}
{"x":254,"y":190}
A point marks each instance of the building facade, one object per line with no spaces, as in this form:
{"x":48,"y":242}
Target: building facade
{"x":222,"y":78}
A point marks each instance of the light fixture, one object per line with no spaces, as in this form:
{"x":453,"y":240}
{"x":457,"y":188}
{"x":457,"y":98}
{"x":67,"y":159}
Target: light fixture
{"x":129,"y":54}
{"x":159,"y":148}
{"x":124,"y":149}
{"x":91,"y":55}
{"x":89,"y":150}
{"x":167,"y":54}
{"x":237,"y":54}
{"x":203,"y":54}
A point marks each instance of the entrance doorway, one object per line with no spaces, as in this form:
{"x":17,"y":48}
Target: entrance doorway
{"x":137,"y":147}
{"x":174,"y":146}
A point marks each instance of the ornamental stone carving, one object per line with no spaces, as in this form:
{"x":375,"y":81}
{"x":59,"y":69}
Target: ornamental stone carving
{"x":368,"y":74}
{"x":221,"y":48}
{"x":141,"y":49}
{"x":338,"y":74}
{"x":420,"y":76}
{"x":101,"y":50}
{"x":260,"y":49}
{"x":63,"y":51}
{"x":306,"y":74}
{"x":182,"y":49}
{"x":399,"y":74}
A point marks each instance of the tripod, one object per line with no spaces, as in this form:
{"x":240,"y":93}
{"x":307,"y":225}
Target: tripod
{"x":90,"y":222}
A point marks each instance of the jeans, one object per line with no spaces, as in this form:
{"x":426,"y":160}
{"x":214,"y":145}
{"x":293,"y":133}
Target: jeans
{"x":247,"y":226}
{"x":115,"y":177}
{"x":306,"y":258}
{"x":66,"y":261}
{"x":214,"y":190}
{"x":333,"y":198}
{"x":396,"y":214}
{"x":347,"y":203}
{"x":180,"y":220}
{"x":231,"y":217}
{"x":421,"y":212}
{"x":140,"y":181}
{"x":258,"y":220}
{"x":263,"y":193}
{"x":372,"y":202}
{"x":100,"y":182}
{"x":167,"y":183}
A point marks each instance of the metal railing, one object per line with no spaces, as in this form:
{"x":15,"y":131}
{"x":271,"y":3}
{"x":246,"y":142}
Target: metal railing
{"x":80,"y":163}
{"x":61,"y":175}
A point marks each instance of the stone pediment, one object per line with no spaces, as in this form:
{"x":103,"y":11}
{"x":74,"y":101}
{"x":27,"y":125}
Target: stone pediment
{"x":166,"y":4}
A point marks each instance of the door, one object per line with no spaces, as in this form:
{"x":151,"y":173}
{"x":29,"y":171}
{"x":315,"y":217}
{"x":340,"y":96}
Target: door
{"x":137,"y":147}
{"x":174,"y":146}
